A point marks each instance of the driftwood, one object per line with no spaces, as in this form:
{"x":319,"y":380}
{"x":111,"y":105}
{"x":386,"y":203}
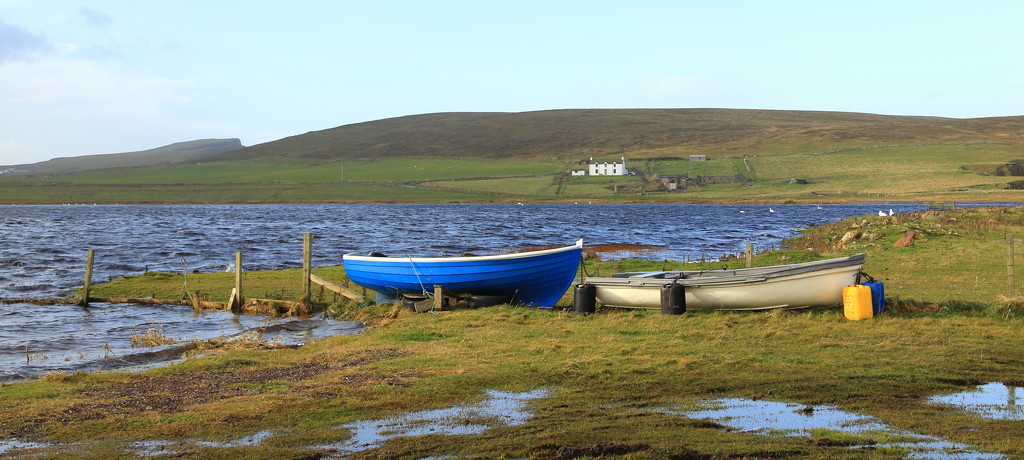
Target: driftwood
{"x":253,"y":304}
{"x":42,"y":300}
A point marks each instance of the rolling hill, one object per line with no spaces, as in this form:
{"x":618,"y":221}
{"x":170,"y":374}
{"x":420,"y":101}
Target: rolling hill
{"x":480,"y":157}
{"x":168,"y":154}
{"x":637,"y":133}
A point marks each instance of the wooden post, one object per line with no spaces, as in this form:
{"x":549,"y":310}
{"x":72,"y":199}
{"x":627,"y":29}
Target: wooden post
{"x":1010,"y":282}
{"x":438,"y":297}
{"x":84,"y":301}
{"x":237,"y":300}
{"x":307,"y":265}
{"x":750,"y":255}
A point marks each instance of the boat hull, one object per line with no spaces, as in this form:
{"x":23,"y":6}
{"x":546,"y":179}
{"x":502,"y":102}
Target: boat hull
{"x":811,"y":284}
{"x":537,"y":278}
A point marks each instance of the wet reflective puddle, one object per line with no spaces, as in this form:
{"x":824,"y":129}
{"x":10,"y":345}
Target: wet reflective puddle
{"x":154,"y":448}
{"x":498,"y":409}
{"x":993,"y":401}
{"x":772,"y":418}
{"x":14,"y":444}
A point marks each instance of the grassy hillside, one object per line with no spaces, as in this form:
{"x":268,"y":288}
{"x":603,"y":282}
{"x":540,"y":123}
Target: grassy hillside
{"x":635,"y":133}
{"x":168,"y":154}
{"x":527,"y":156}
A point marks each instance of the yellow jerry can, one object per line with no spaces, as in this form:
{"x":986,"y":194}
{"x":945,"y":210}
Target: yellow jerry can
{"x":857,"y":302}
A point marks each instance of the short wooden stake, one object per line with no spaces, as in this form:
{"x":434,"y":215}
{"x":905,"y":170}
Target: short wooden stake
{"x":237,"y":299}
{"x":84,"y":301}
{"x":1011,"y":283}
{"x":307,"y":265}
{"x":750,"y":255}
{"x":438,"y":297}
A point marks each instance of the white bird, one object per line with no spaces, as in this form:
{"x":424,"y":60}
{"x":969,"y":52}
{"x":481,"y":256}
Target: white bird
{"x":881,"y":213}
{"x":742,"y":211}
{"x":819,"y":206}
{"x":890,"y":211}
{"x":771,"y":210}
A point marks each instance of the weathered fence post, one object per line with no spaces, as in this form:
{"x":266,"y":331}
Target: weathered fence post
{"x":1010,"y":282}
{"x":307,"y":265}
{"x":84,"y":301}
{"x":236,"y":300}
{"x":750,"y":255}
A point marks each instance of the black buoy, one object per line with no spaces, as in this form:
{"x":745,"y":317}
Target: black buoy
{"x":586,"y":299}
{"x":673,"y":299}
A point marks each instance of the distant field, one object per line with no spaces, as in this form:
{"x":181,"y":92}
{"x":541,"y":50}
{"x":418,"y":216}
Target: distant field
{"x":314,"y":192}
{"x":405,"y":169}
{"x":910,"y":172}
{"x":952,"y":172}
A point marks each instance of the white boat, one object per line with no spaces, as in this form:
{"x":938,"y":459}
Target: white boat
{"x":805,"y":284}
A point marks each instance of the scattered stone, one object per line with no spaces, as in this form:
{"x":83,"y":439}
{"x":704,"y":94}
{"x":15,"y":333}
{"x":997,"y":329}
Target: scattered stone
{"x":906,"y":240}
{"x":848,"y":237}
{"x":795,"y":180}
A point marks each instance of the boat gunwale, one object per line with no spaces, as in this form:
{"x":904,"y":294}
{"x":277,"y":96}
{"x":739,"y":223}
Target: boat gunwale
{"x":733,"y":277}
{"x":517,"y":255}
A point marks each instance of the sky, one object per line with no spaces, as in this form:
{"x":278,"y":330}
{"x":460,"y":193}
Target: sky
{"x":86,"y":77}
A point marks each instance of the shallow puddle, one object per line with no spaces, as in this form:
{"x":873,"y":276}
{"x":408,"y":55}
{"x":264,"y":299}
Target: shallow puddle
{"x":14,"y":444}
{"x":772,"y":418}
{"x":252,"y":440}
{"x":154,"y":448}
{"x":499,"y":409}
{"x":993,"y":400}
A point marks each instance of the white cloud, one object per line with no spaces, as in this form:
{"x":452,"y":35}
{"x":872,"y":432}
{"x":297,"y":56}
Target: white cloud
{"x":84,"y":87}
{"x":94,"y":18}
{"x":65,"y":108}
{"x":17,"y":43}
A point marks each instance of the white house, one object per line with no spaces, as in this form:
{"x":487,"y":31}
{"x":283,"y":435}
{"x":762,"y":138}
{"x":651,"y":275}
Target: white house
{"x":607,"y":169}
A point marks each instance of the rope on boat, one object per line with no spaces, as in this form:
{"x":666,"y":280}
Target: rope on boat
{"x":583,"y":268}
{"x":423,"y":289}
{"x":862,"y":275}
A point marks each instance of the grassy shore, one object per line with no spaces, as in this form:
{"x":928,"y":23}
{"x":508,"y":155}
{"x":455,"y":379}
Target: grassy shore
{"x":618,"y":383}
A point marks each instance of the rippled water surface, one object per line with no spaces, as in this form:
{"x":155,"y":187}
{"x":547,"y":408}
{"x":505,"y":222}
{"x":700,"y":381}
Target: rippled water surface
{"x":43,"y":248}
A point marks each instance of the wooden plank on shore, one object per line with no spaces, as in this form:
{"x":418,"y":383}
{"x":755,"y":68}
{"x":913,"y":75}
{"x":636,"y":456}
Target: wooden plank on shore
{"x":146,"y":301}
{"x":334,"y":287}
{"x":152,"y":301}
{"x":42,"y":300}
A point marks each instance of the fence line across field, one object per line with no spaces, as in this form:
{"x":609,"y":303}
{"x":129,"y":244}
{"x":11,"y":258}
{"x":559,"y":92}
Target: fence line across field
{"x":237,"y":299}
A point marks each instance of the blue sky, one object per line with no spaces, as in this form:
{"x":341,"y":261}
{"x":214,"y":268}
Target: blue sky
{"x":85,"y":77}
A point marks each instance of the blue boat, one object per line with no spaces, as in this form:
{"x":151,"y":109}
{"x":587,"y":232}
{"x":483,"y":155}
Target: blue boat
{"x":535,"y":278}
